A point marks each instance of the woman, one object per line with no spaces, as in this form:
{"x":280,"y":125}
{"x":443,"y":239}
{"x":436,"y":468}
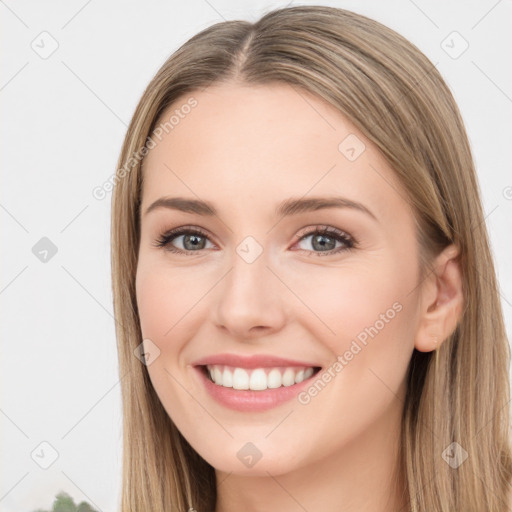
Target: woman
{"x":372,"y":378}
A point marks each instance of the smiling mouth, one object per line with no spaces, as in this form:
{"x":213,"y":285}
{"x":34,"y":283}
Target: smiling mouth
{"x":257,"y":379}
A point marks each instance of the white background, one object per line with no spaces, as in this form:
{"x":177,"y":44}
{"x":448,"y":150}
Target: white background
{"x":63,"y":121}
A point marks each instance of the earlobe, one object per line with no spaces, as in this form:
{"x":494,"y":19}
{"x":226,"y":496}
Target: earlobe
{"x":442,"y":301}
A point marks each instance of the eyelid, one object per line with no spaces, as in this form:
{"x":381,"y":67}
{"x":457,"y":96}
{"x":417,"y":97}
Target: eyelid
{"x":324,"y":229}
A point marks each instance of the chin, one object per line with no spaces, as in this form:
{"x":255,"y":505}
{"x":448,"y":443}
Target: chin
{"x":246,"y":459}
{"x":260,"y":468}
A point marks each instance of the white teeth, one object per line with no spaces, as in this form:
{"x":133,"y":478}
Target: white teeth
{"x":217,"y":375}
{"x":258,"y":379}
{"x":227,"y":378}
{"x":240,"y":379}
{"x":288,"y":377}
{"x":274,"y":379}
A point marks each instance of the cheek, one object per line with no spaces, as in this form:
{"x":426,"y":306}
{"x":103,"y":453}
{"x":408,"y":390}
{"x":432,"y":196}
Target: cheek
{"x":164,"y":299}
{"x":368,"y":316}
{"x":372,"y":315}
{"x":164,"y":302}
{"x":154,"y":305}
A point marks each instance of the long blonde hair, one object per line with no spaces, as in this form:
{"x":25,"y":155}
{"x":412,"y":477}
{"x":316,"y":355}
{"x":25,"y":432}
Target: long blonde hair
{"x":396,"y":97}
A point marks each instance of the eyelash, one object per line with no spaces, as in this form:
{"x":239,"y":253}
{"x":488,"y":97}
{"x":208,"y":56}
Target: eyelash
{"x":164,"y":241}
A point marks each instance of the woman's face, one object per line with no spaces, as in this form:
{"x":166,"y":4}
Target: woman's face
{"x":260,"y":295}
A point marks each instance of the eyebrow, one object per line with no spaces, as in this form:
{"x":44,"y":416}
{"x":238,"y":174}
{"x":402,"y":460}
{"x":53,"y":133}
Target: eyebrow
{"x":292,"y":206}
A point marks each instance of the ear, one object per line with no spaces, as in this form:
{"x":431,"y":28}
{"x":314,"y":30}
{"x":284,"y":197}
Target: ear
{"x":442,"y":301}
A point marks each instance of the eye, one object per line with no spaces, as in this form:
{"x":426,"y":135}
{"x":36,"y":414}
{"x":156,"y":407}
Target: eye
{"x":193,"y":240}
{"x":325,"y":238}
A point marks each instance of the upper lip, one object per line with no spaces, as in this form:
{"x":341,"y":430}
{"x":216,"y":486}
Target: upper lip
{"x":254,"y":361}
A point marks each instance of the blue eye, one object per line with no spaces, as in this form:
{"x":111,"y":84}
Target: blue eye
{"x":325,"y":239}
{"x":193,"y":237}
{"x":194,"y":240}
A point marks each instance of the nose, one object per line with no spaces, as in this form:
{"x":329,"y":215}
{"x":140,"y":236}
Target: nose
{"x":250,"y":300}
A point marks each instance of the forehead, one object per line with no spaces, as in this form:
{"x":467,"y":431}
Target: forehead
{"x":252,"y":146}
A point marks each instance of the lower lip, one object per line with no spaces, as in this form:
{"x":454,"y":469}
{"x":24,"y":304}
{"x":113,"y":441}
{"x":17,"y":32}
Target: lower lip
{"x":252,"y":401}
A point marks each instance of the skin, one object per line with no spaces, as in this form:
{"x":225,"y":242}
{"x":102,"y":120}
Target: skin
{"x":245,"y":149}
